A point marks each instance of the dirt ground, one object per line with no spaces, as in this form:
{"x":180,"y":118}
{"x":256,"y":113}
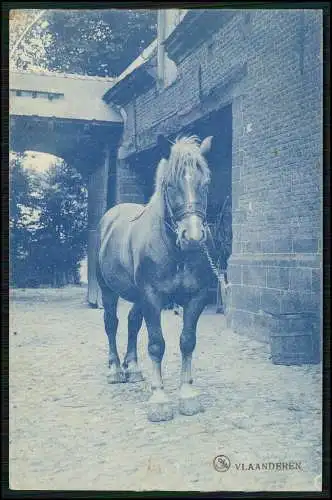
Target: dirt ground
{"x":69,"y":429}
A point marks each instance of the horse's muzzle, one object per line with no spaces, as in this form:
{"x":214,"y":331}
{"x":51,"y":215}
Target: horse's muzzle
{"x":191,"y":231}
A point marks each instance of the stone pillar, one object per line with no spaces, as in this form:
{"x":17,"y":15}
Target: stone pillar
{"x":97,"y":205}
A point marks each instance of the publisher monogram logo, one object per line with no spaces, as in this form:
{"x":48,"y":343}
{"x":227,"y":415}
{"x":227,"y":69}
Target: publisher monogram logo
{"x":221,"y":463}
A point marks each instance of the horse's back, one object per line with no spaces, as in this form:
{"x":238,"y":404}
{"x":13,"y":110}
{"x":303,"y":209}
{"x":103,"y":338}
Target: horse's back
{"x":123,"y":213}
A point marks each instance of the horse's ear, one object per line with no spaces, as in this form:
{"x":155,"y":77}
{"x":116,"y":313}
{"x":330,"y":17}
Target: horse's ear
{"x":164,"y":146}
{"x":206,"y":145}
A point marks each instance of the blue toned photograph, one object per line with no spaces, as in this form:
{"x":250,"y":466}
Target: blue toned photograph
{"x":166,"y":193}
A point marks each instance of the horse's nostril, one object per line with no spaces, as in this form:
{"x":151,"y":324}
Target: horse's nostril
{"x":192,"y":237}
{"x":195,"y":233}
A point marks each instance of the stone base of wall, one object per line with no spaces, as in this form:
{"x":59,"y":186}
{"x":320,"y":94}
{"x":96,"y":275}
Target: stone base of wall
{"x":277,"y":284}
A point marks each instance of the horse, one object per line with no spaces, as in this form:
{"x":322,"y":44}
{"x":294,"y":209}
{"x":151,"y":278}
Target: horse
{"x":151,"y":255}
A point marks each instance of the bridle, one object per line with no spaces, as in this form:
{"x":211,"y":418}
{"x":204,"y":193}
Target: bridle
{"x":200,"y":210}
{"x":193,"y":208}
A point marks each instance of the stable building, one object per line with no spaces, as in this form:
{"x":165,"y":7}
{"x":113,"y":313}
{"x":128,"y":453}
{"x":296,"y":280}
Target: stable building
{"x":253,"y":79}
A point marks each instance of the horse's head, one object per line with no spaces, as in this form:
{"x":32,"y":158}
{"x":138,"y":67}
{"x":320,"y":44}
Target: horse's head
{"x":184,"y":179}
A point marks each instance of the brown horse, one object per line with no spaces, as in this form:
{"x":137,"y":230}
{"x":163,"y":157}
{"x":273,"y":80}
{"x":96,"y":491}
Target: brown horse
{"x":152,"y":256}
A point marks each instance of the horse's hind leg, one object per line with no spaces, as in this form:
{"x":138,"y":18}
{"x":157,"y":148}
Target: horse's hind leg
{"x":135,"y":318}
{"x":110,"y":301}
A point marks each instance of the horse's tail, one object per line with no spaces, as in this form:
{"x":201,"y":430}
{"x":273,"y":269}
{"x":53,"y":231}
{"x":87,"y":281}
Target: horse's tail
{"x":99,"y":276}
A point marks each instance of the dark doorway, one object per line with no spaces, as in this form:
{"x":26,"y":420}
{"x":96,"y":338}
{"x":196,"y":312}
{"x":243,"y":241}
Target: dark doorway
{"x":145,"y":164}
{"x":111,"y":182}
{"x":219,"y":125}
{"x":219,"y":215}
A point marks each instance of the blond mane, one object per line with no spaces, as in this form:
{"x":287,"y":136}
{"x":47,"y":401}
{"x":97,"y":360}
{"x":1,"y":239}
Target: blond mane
{"x":185,"y":154}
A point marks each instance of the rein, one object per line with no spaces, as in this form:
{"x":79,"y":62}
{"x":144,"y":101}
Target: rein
{"x":189,"y":209}
{"x":220,"y":274}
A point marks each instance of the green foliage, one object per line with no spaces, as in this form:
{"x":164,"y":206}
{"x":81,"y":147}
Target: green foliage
{"x":91,"y":42}
{"x":48,"y":225}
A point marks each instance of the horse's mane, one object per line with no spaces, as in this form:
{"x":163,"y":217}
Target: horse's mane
{"x":185,"y":153}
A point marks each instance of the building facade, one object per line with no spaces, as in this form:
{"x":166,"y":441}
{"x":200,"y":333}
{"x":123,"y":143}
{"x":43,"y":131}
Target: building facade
{"x":253,"y":79}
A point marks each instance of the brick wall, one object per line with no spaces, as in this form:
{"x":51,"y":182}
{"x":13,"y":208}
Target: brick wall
{"x":215,"y":57}
{"x":276,"y":152}
{"x":129,"y":189}
{"x":281,"y":140}
{"x":276,"y":259}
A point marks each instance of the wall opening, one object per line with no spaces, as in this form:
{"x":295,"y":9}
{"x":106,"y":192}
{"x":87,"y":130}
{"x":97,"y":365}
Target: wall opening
{"x":111,"y":181}
{"x":145,"y":165}
{"x":219,"y":125}
{"x":48,"y":217}
{"x":219,"y":212}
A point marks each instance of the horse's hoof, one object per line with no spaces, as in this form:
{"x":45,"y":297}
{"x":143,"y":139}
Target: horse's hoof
{"x":189,"y":402}
{"x":159,"y":407}
{"x":116,"y":377}
{"x":134,"y":376}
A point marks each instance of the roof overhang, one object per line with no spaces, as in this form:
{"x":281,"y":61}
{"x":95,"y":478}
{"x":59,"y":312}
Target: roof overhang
{"x":196,"y":26}
{"x":133,"y":85}
{"x":137,"y":78}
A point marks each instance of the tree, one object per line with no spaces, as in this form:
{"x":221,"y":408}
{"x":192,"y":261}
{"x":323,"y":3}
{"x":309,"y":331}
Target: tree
{"x":48,"y":225}
{"x":62,"y":235}
{"x":23,"y":221}
{"x":91,"y":42}
{"x":19,"y":233}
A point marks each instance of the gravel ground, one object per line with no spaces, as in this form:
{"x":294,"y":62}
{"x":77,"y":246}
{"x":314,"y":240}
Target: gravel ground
{"x":71,"y":430}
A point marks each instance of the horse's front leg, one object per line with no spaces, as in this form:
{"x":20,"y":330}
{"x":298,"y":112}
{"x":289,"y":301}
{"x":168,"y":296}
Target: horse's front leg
{"x":189,"y":403}
{"x":159,"y":405}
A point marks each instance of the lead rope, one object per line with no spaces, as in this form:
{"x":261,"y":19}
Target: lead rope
{"x":224,"y":287}
{"x":219,"y":274}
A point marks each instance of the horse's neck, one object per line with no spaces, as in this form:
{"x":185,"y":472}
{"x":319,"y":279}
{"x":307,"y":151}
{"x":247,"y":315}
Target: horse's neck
{"x":158,"y":211}
{"x":156,"y":206}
